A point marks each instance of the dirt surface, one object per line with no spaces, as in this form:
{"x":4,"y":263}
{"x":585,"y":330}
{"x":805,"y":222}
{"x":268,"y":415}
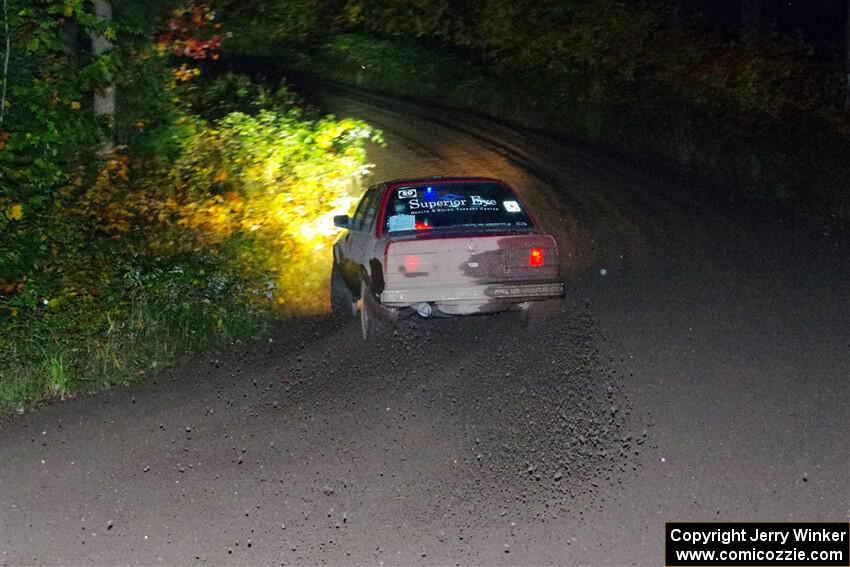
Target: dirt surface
{"x":699,"y":369}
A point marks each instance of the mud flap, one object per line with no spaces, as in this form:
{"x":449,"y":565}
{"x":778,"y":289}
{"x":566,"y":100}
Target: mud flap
{"x":343,"y":303}
{"x":376,"y":320}
{"x":535,"y":312}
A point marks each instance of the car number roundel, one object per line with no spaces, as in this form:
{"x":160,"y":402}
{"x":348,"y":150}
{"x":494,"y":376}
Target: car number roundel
{"x":511,"y":206}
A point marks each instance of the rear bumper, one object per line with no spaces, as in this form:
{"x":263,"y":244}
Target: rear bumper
{"x":493,"y":293}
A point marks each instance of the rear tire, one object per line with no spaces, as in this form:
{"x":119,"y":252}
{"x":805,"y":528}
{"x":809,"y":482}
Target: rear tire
{"x":342,"y":300}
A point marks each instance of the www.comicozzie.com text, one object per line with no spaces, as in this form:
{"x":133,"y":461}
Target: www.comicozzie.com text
{"x":727,"y":536}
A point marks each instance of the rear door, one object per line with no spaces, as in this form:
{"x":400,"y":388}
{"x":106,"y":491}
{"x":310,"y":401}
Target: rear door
{"x":354,"y":245}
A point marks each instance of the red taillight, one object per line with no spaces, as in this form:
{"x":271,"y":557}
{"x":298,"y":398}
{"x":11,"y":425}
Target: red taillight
{"x":422,"y":225}
{"x":535,"y":257}
{"x":411,"y":263}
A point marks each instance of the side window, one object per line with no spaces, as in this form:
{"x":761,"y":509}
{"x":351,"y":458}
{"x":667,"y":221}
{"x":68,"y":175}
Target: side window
{"x":372,"y":211}
{"x":357,"y":221}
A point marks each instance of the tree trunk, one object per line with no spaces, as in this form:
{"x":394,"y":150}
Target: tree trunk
{"x":104,"y":101}
{"x":750,"y":19}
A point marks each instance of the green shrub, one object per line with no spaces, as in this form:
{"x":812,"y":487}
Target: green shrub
{"x":207,"y":219}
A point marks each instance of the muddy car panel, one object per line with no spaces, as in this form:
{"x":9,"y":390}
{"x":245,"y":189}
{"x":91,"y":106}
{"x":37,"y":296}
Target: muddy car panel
{"x":494,"y":260}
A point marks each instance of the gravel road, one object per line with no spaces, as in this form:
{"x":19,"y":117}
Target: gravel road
{"x":699,"y":369}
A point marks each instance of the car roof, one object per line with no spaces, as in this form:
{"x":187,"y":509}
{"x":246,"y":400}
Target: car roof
{"x":439,"y":179}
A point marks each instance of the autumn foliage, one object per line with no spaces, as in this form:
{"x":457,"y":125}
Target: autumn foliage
{"x":185,"y":37}
{"x":211,"y":212}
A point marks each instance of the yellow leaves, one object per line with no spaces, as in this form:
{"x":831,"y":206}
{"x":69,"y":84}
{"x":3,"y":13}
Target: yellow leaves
{"x":325,"y":139}
{"x":7,"y":287}
{"x":108,"y":202}
{"x":186,"y":73}
{"x":11,"y":288}
{"x":139,"y":125}
{"x":115,"y":220}
{"x":262,"y":191}
{"x":213,"y":217}
{"x":15,"y":212}
{"x":354,"y":11}
{"x":75,"y":105}
{"x":69,"y":11}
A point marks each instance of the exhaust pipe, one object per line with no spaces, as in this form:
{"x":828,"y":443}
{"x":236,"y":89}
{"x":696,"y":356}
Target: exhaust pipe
{"x":424,"y":310}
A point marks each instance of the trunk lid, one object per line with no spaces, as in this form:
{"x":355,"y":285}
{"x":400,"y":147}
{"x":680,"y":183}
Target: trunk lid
{"x":479,"y":257}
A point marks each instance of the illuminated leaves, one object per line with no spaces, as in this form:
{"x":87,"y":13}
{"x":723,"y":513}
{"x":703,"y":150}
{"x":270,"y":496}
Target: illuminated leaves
{"x":185,"y":73}
{"x":15,"y":212}
{"x":251,"y":192}
{"x":284,"y":178}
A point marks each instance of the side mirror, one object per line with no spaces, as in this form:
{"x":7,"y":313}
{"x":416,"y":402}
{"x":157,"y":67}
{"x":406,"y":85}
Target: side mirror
{"x":342,"y":221}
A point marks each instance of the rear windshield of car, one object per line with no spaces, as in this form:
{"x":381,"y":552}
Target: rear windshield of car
{"x":454,"y":205}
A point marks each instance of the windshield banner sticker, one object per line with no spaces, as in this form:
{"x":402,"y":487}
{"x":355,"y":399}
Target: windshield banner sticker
{"x":481,"y":202}
{"x":511,"y":206}
{"x":452,"y":204}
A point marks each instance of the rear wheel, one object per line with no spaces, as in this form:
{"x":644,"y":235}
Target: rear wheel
{"x":342,"y":300}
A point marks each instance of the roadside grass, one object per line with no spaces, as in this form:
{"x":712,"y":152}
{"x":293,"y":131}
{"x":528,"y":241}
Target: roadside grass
{"x":86,"y":348}
{"x":798,"y":162}
{"x":58,"y":383}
